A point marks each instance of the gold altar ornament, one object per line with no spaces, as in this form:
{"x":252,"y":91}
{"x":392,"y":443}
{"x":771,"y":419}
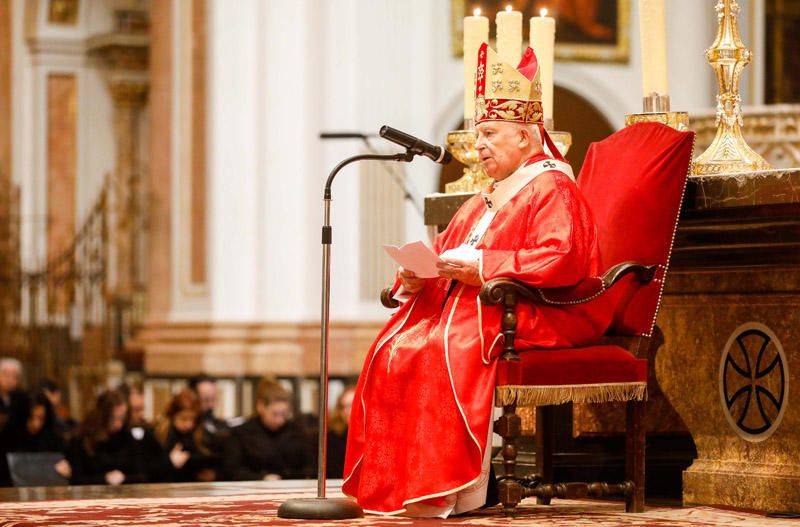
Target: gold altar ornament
{"x":728,"y":56}
{"x":461,"y":143}
{"x":676,"y":120}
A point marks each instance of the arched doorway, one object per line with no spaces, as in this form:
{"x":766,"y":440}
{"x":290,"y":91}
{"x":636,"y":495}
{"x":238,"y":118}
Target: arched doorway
{"x":572,"y":113}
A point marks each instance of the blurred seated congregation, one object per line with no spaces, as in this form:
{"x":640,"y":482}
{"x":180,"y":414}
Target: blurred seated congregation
{"x":161,"y":173}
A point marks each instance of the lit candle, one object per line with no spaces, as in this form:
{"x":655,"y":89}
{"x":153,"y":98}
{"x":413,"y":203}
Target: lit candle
{"x":653,"y":35}
{"x":543,"y":40}
{"x":476,"y":32}
{"x":509,"y":35}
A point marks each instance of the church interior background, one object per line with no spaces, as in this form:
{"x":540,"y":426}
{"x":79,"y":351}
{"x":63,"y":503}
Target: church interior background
{"x":161,"y":173}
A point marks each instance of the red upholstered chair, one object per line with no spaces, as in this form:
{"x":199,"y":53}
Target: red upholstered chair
{"x":634,"y":182}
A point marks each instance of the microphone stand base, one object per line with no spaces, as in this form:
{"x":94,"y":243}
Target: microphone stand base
{"x":320,"y":509}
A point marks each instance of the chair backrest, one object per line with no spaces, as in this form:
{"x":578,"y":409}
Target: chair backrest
{"x":634,"y":182}
{"x":35,"y":469}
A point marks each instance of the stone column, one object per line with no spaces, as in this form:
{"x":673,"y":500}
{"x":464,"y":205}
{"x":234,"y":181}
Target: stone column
{"x":9,"y":246}
{"x":5,"y":93}
{"x":129,"y":99}
{"x":125,"y":59}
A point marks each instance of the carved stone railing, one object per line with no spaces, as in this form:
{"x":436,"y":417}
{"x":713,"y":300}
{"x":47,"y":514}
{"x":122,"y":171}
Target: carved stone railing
{"x":772,"y":131}
{"x":66,"y":320}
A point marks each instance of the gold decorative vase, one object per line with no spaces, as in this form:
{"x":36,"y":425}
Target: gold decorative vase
{"x":728,"y":56}
{"x":461,"y":143}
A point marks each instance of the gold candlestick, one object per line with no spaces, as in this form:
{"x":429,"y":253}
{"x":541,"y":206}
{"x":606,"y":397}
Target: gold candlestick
{"x":656,"y":110}
{"x":728,"y":56}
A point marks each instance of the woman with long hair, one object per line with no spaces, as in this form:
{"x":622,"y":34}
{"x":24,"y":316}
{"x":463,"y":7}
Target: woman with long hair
{"x":35,"y":431}
{"x":182,"y":435}
{"x":103,"y":449}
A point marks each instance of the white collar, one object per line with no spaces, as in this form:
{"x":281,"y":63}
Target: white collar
{"x":509,"y":187}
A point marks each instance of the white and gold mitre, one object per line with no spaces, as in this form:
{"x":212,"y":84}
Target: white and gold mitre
{"x":506,"y":93}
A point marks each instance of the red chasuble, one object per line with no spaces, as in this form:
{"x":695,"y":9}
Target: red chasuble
{"x":423,"y":403}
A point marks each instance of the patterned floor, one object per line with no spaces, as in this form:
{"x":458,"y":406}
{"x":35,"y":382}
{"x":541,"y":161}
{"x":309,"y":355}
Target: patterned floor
{"x":260,"y":509}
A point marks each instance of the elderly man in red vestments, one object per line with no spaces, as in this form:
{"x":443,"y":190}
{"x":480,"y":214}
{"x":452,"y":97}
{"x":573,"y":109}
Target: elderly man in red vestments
{"x":420,"y":432}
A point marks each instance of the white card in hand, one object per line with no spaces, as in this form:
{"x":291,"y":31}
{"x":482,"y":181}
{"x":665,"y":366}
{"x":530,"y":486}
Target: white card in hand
{"x":416,"y":257}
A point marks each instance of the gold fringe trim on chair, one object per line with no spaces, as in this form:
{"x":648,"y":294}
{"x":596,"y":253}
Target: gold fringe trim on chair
{"x":574,"y":393}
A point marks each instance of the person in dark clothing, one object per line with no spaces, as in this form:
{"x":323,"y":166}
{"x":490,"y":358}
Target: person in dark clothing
{"x":337,"y":432}
{"x":103,"y":451}
{"x":217,"y":430}
{"x":269,"y":445}
{"x":13,"y":404}
{"x":12,"y":398}
{"x":205,"y":386}
{"x":182,"y":435}
{"x":62,"y":421}
{"x":146,"y":446}
{"x":36,"y":432}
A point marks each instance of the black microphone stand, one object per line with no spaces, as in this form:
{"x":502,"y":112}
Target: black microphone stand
{"x":322,"y":508}
{"x":403,"y":184}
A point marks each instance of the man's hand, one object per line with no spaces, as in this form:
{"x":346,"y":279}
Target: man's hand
{"x":411,"y":282}
{"x":466,"y":272}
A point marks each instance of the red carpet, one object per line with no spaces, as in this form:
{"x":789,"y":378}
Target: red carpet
{"x":260,"y":509}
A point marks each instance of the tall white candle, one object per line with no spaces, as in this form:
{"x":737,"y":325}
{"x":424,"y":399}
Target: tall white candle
{"x":476,"y":32}
{"x":653,"y":35}
{"x":509,"y":35}
{"x":543,"y":40}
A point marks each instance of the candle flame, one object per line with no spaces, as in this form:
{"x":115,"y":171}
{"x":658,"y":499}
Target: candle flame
{"x":543,"y":12}
{"x":476,"y":11}
{"x":508,"y":8}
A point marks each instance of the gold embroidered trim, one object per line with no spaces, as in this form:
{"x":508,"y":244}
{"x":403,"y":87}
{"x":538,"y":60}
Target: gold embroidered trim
{"x":565,"y":393}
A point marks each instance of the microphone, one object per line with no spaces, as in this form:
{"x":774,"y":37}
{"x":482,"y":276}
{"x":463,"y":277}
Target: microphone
{"x":416,"y":146}
{"x":344,"y":135}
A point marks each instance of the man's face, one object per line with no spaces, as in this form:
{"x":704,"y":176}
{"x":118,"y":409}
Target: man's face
{"x":9,"y":379}
{"x":274,"y":415}
{"x":136,"y":402}
{"x":500,"y":148}
{"x":207,"y":392}
{"x":347,"y":405}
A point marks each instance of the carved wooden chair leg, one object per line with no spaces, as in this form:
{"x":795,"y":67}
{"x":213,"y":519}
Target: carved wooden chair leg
{"x":509,"y":427}
{"x":635,"y":455}
{"x":545,"y":439}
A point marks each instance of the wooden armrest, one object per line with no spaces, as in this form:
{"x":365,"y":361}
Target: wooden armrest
{"x":494,"y":291}
{"x":645,"y":273}
{"x":507,"y":291}
{"x":387,"y":299}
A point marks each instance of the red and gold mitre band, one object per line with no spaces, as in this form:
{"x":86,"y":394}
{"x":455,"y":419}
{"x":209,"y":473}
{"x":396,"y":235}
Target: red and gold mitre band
{"x":513,"y":110}
{"x":506,"y":93}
